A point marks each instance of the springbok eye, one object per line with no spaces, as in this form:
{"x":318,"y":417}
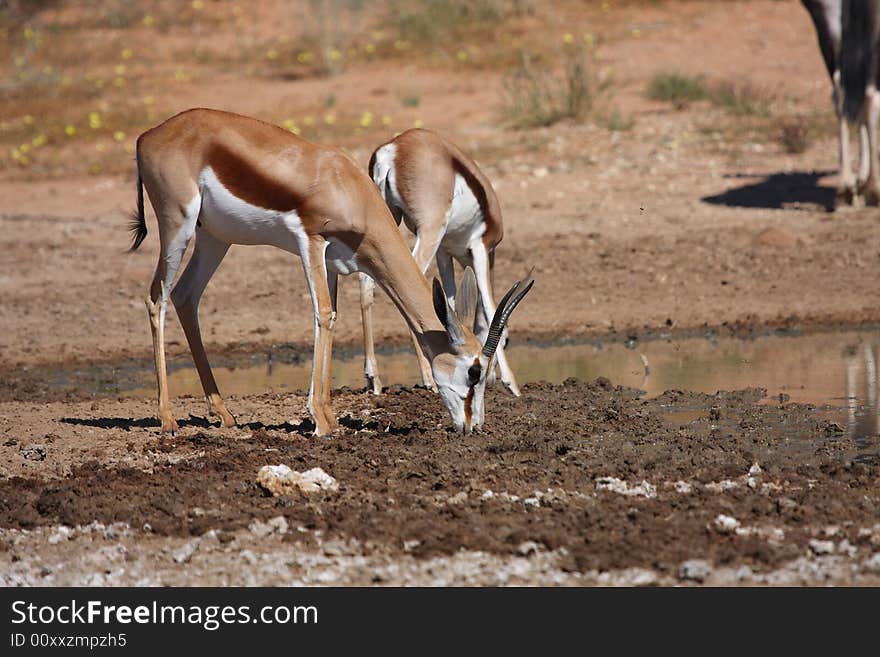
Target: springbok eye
{"x":474,"y":372}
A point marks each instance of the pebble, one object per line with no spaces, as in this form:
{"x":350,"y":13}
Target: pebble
{"x":527,"y":548}
{"x":616,"y":485}
{"x":34,"y":453}
{"x":62,"y":533}
{"x":726,"y":524}
{"x":185,"y":552}
{"x":696,"y":570}
{"x":459,"y":498}
{"x":873,"y":563}
{"x":261,"y":529}
{"x":821,"y":547}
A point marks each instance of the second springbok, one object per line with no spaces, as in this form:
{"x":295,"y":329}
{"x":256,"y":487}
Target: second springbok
{"x":228,"y":179}
{"x":449,"y":204}
{"x":847,"y":31}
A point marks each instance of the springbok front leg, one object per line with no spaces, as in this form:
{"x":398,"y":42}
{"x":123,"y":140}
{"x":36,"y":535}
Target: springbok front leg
{"x":427,"y":243}
{"x":207,"y":255}
{"x":314,"y":265}
{"x":483,"y":271}
{"x":371,"y":369}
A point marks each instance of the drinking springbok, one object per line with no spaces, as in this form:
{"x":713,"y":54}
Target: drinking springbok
{"x":449,"y":204}
{"x":842,"y":52}
{"x":228,"y":179}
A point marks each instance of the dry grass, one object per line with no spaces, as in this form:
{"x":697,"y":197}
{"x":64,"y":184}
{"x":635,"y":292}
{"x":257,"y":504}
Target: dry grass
{"x":534,"y":95}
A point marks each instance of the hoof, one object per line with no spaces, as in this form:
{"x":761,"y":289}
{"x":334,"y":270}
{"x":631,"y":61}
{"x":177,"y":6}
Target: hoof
{"x":871,"y":196}
{"x":374,"y":385}
{"x":514,"y":389}
{"x":845,"y":196}
{"x":169,"y":425}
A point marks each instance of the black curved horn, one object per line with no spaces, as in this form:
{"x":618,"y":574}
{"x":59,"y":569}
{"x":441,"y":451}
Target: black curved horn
{"x":502,"y":312}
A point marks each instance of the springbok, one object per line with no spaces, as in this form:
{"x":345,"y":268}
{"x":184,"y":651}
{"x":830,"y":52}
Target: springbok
{"x":229,"y":179}
{"x":443,"y":197}
{"x":838,"y":23}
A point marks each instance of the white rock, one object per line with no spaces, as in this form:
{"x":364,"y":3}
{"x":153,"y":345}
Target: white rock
{"x":683,"y":487}
{"x":487,"y":495}
{"x":185,"y":553}
{"x":721,"y":486}
{"x":62,"y":533}
{"x":281,"y":480}
{"x":821,"y":547}
{"x":459,"y":498}
{"x":616,"y":485}
{"x":726,"y":524}
{"x":696,"y":570}
{"x":755,"y":470}
{"x":873,"y":563}
{"x":527,"y":548}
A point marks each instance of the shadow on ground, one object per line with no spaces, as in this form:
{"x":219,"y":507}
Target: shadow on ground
{"x":777,"y":191}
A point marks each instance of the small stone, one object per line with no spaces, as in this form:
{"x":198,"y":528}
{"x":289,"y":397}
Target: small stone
{"x":683,"y":487}
{"x":487,"y":495}
{"x":459,"y":498}
{"x":260,"y":529}
{"x":540,"y":172}
{"x":696,"y":570}
{"x":821,"y":547}
{"x":34,"y":452}
{"x":279,"y":524}
{"x":62,"y":533}
{"x":873,"y":563}
{"x":185,"y":553}
{"x":528,"y":548}
{"x":847,"y":548}
{"x":532,"y":501}
{"x":726,"y":524}
{"x":249,"y":556}
{"x":755,"y":470}
{"x":409,"y":546}
{"x":616,"y":485}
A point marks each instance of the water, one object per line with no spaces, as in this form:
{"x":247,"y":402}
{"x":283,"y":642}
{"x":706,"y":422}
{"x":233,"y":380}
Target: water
{"x":835,"y":370}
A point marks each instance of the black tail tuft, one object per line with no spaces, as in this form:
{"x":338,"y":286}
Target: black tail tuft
{"x":137,"y":225}
{"x":138,"y":228}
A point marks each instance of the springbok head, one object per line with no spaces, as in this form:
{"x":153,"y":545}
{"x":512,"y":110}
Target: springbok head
{"x":460,"y":370}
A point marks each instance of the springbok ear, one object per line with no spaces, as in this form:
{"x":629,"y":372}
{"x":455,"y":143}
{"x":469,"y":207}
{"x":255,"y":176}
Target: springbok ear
{"x":446,"y":315}
{"x":466,"y":300}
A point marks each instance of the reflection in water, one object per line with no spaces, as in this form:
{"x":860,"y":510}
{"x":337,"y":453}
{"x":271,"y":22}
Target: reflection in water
{"x":832,"y":368}
{"x":862,"y":421}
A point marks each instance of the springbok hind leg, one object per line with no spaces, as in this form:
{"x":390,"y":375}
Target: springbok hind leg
{"x":846,"y":184}
{"x":170,"y":255}
{"x":871,"y":187}
{"x":208,"y":254}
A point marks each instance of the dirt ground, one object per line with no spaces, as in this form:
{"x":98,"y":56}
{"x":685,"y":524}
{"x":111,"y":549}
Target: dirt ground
{"x":687,"y":219}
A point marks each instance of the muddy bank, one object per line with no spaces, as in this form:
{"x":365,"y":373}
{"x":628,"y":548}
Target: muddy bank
{"x":611,"y":480}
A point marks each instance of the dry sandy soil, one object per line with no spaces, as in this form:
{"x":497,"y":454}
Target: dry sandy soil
{"x":688,"y":219}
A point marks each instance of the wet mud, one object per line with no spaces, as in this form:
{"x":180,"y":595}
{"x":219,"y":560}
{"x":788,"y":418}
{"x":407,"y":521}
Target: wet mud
{"x":594,"y":472}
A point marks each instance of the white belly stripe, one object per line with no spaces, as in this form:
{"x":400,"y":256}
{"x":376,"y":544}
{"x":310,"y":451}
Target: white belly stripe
{"x":236,"y":221}
{"x":464,"y":219}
